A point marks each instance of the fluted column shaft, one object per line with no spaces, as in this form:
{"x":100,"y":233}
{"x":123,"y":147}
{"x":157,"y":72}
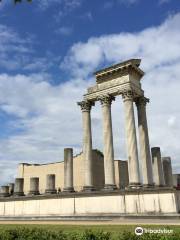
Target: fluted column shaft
{"x":68,"y":170}
{"x":167,"y":168}
{"x":157,"y":167}
{"x":144,"y":142}
{"x":108,"y":143}
{"x":131,"y":141}
{"x":87,"y":145}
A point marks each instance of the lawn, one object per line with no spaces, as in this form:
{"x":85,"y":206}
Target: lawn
{"x":115,"y":230}
{"x":72,"y":228}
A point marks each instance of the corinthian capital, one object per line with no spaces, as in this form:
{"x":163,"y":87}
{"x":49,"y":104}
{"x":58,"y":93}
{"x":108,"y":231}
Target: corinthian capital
{"x":106,"y":99}
{"x":127,"y":95}
{"x":86,"y":105}
{"x":141,"y":101}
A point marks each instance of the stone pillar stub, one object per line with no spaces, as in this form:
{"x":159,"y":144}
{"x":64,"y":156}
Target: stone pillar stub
{"x":167,"y":167}
{"x":11,"y":188}
{"x":19,"y":187}
{"x":109,"y":171}
{"x":145,"y":155}
{"x":87,"y":145}
{"x":176,"y":181}
{"x":50,"y":184}
{"x":68,"y":170}
{"x":34,"y":186}
{"x":131,"y":140}
{"x":4,"y":191}
{"x":157,"y":167}
{"x":123,"y":174}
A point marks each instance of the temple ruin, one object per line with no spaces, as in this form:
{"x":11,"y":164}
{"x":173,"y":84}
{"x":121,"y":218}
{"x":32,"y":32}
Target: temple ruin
{"x":94,"y":183}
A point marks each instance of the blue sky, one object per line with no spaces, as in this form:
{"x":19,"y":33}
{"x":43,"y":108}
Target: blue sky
{"x":49,"y":50}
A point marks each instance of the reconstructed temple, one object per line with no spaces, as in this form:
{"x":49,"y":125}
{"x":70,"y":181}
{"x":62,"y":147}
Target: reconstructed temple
{"x":93,"y":184}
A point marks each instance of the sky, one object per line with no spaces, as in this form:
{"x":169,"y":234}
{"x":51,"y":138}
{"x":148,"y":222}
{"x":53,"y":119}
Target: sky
{"x":49,"y":50}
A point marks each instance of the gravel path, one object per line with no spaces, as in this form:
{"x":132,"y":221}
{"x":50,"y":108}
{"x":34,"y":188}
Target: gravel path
{"x":114,"y":222}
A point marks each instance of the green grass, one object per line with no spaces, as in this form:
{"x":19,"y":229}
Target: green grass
{"x":81,"y":228}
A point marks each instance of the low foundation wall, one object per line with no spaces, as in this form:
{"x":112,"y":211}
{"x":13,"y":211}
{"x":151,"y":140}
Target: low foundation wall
{"x":129,"y":202}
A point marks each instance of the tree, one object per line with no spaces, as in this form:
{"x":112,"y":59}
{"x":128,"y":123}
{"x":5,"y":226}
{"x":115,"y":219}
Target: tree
{"x":19,"y":1}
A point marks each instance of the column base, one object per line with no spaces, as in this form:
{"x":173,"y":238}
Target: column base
{"x":34,"y":193}
{"x":68,"y":189}
{"x":50,"y":191}
{"x":88,"y":189}
{"x":4,"y":195}
{"x":160,"y":186}
{"x":18,"y":194}
{"x":109,"y":187}
{"x":148,"y":186}
{"x":135,"y":185}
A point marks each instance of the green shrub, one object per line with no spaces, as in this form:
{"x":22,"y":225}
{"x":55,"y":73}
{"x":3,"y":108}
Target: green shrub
{"x":147,"y":236}
{"x":33,"y":233}
{"x":95,"y":235}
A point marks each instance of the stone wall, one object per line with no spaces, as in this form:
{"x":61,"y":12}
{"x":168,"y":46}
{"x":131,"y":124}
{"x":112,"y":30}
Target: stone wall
{"x":27,"y":171}
{"x":120,"y":203}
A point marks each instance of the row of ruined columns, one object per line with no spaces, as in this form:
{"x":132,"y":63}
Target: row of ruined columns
{"x":131,"y":142}
{"x":17,"y":189}
{"x":161,"y":168}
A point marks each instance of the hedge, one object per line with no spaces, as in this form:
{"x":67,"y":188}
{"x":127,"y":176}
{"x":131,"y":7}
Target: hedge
{"x":43,"y":234}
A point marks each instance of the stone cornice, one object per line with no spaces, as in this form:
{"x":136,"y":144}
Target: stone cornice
{"x":126,"y":67}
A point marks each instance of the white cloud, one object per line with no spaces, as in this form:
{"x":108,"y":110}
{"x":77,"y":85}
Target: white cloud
{"x":13,"y":48}
{"x":71,"y":4}
{"x":112,"y":3}
{"x":128,"y":1}
{"x":17,"y":52}
{"x":44,"y":118}
{"x":172,"y":121}
{"x":164,"y":1}
{"x":87,"y":16}
{"x":62,"y":7}
{"x":159,"y":49}
{"x":65,"y":31}
{"x":150,"y":45}
{"x":43,"y":115}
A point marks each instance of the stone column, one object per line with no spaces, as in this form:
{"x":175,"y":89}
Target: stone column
{"x":108,"y":143}
{"x":131,"y":141}
{"x":167,"y":167}
{"x":87,"y":145}
{"x":19,"y":187}
{"x":178,"y":182}
{"x":50,"y":184}
{"x":11,"y":188}
{"x":4,"y":191}
{"x":34,"y":186}
{"x":123,"y":174}
{"x":144,"y":142}
{"x":157,"y":167}
{"x":68,"y":170}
